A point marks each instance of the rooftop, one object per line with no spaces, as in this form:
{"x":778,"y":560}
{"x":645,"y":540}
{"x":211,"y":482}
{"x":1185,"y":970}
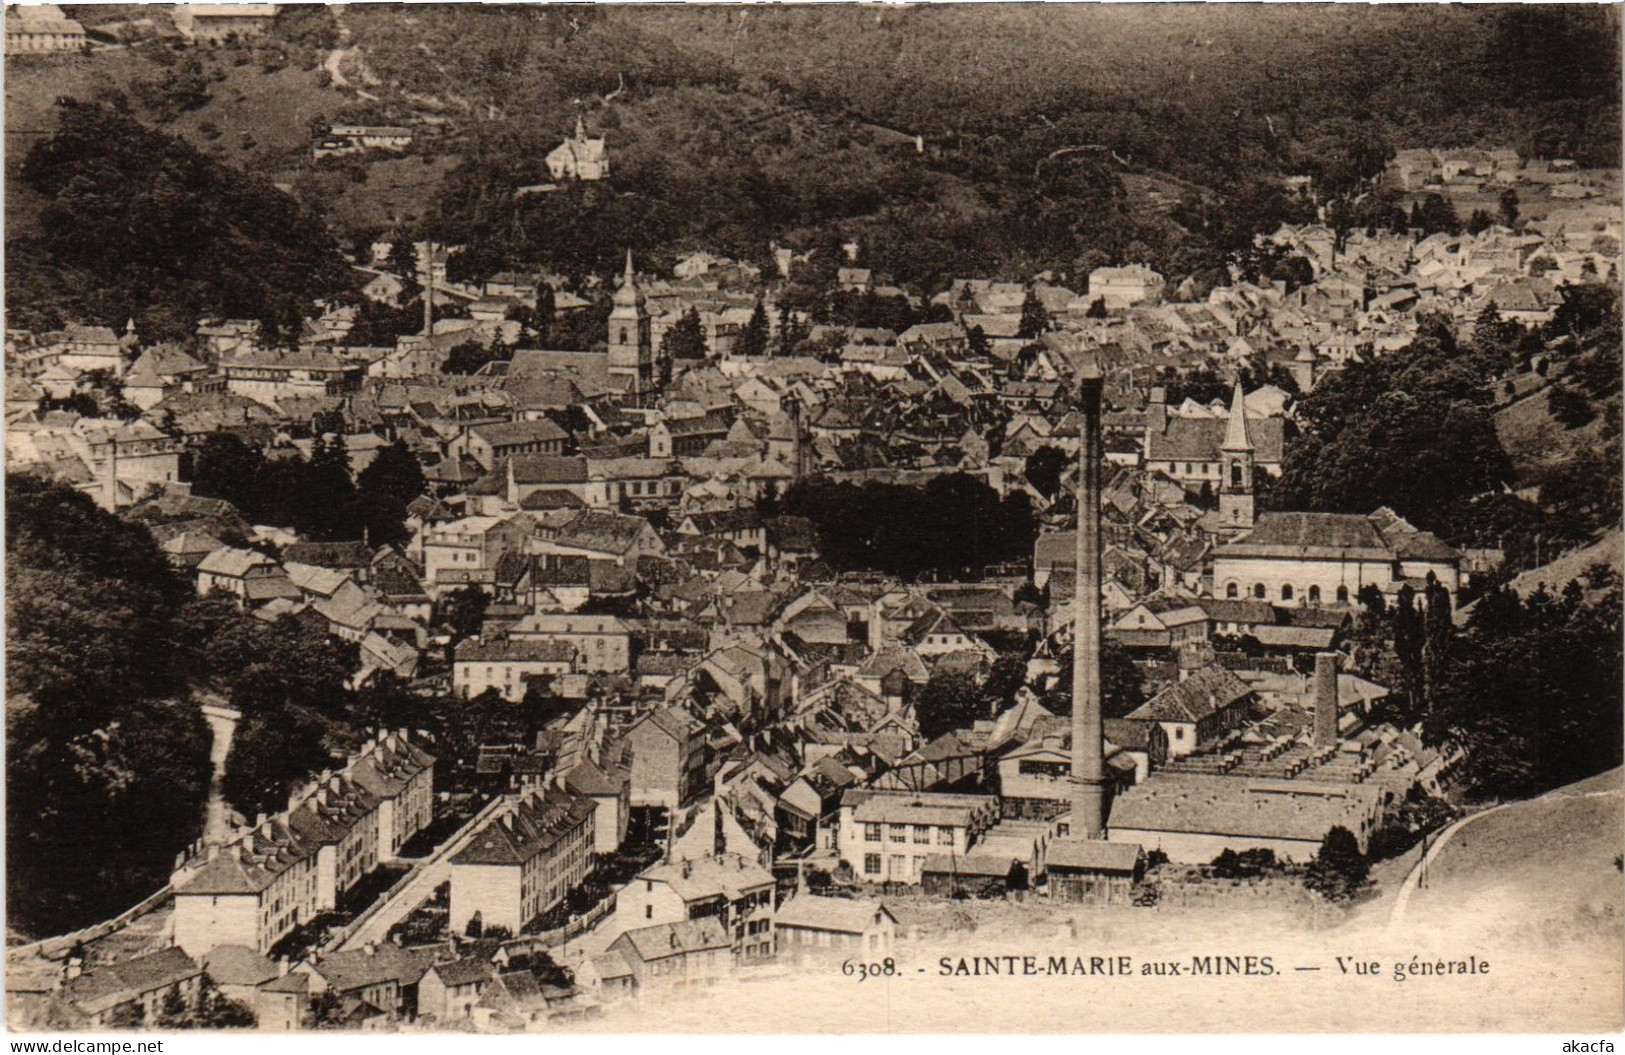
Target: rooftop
{"x":533,"y":825}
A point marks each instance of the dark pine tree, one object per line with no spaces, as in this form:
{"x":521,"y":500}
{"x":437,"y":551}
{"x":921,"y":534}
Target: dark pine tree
{"x":686,"y":338}
{"x":753,"y":338}
{"x":385,"y":488}
{"x":1034,"y":319}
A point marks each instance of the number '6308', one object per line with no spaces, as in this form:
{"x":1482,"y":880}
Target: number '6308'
{"x":864,"y":971}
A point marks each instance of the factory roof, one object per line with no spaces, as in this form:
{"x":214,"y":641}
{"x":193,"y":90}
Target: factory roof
{"x":1218,"y":805}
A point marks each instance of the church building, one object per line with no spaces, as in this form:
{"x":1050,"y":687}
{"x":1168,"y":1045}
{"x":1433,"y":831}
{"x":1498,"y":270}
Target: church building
{"x":1294,"y":559}
{"x":578,"y":157}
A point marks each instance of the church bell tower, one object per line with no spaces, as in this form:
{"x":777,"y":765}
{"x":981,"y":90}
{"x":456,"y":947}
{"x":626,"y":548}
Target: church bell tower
{"x":631,"y":348}
{"x":1236,"y":469}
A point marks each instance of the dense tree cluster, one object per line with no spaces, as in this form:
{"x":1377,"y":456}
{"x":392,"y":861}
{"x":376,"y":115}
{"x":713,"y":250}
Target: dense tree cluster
{"x":1122,"y":686}
{"x":1044,"y":469}
{"x":317,"y":495}
{"x":686,"y":338}
{"x":954,"y":525}
{"x":753,"y":336}
{"x":1411,"y":430}
{"x":288,"y":680}
{"x":108,"y":652}
{"x":379,"y":325}
{"x":1414,"y":430}
{"x":100,"y":738}
{"x":471,"y":356}
{"x":194,"y":237}
{"x":1339,"y":869}
{"x":1531,"y":688}
{"x":951,"y":699}
{"x":211,"y":1010}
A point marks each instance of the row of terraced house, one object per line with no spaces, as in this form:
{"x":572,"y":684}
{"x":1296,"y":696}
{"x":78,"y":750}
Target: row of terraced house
{"x":270,"y":878}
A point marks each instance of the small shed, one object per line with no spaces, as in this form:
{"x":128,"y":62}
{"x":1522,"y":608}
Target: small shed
{"x":974,"y":875}
{"x":1093,"y":870}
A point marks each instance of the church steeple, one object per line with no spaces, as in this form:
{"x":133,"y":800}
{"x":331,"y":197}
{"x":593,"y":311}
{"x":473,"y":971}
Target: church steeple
{"x":631,"y":346}
{"x":628,"y":293}
{"x":1236,"y":469}
{"x":1236,"y":437}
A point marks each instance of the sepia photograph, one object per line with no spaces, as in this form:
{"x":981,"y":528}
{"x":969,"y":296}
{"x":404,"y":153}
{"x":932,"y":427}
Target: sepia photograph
{"x":814,"y":518}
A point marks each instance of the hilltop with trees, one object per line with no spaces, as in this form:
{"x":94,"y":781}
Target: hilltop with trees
{"x":137,"y":224}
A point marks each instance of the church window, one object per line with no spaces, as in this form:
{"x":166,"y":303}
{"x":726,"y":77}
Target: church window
{"x":1314,"y":595}
{"x":1231,"y":591}
{"x":1235,"y":475}
{"x":1342,"y":595}
{"x":1258,"y":590}
{"x":1286,"y":592}
{"x":623,"y":335}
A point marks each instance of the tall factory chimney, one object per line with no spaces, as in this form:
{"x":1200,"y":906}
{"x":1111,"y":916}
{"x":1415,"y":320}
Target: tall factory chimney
{"x":110,"y":480}
{"x":428,"y":289}
{"x":1088,"y":732}
{"x":1325,"y":726}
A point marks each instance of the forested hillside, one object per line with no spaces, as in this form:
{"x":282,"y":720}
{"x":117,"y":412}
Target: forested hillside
{"x":137,"y":224}
{"x":1054,"y":137}
{"x":107,"y":763}
{"x":730,"y":126}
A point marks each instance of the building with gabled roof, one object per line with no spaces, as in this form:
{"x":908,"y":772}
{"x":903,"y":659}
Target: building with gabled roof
{"x":731,"y":888}
{"x":34,"y":28}
{"x":1195,"y":817}
{"x":488,"y":444}
{"x":186,"y":549}
{"x":339,"y":818}
{"x":450,"y":990}
{"x":602,"y":534}
{"x":673,"y":957}
{"x":217,"y":23}
{"x":578,"y":157}
{"x":400,"y":776}
{"x":251,"y":891}
{"x":810,"y":927}
{"x":523,"y":861}
{"x":454,"y":549}
{"x":609,"y":784}
{"x":248,"y":575}
{"x":935,"y":633}
{"x":1191,"y":450}
{"x":1093,"y":869}
{"x":508,"y":664}
{"x":668,"y":758}
{"x":886,"y":836}
{"x":238,"y":972}
{"x":384,"y":977}
{"x":1327,"y":558}
{"x":143,"y":983}
{"x":602,"y":643}
{"x":1198,"y":710}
